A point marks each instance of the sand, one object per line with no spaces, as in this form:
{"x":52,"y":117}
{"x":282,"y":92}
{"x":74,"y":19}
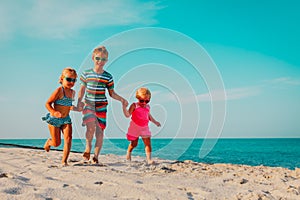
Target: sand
{"x":36,"y":174}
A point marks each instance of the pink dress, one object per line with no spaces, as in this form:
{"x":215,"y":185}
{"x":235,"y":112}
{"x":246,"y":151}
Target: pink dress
{"x":139,"y":123}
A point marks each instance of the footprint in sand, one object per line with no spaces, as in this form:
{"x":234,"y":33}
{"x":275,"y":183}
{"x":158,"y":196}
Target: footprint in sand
{"x":98,"y":183}
{"x":15,"y":191}
{"x":190,"y":196}
{"x":3,"y":175}
{"x":73,"y":160}
{"x":52,"y":166}
{"x":89,"y":163}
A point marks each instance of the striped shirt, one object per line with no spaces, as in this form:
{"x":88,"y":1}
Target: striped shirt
{"x":95,"y":85}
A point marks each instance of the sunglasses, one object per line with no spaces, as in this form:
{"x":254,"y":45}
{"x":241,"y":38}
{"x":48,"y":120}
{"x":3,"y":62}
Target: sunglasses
{"x":100,"y":59}
{"x":70,"y":79}
{"x":142,"y":101}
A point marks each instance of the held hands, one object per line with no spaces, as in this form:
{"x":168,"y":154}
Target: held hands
{"x":124,"y":106}
{"x":80,"y":106}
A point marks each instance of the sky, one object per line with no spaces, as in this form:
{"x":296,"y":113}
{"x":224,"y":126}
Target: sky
{"x":216,"y":69}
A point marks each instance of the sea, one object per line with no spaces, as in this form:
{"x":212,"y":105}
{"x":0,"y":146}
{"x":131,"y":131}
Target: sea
{"x":273,"y":152}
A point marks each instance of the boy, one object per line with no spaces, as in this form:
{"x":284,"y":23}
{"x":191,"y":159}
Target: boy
{"x":93,"y":84}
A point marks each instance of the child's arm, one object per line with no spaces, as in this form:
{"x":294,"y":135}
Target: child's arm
{"x":117,"y":97}
{"x":128,"y":112}
{"x":153,"y":120}
{"x":79,"y":106}
{"x":54,"y":96}
{"x":80,"y":96}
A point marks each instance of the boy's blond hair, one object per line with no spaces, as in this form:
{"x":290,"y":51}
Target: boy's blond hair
{"x":100,"y":49}
{"x":142,"y":93}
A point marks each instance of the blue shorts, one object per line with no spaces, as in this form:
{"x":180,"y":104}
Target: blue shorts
{"x":57,"y":122}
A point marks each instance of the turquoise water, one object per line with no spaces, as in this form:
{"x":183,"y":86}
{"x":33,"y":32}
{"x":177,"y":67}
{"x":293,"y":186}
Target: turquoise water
{"x":279,"y":152}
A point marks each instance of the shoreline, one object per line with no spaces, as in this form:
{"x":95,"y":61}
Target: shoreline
{"x":264,"y":155}
{"x":72,"y":151}
{"x":36,"y":174}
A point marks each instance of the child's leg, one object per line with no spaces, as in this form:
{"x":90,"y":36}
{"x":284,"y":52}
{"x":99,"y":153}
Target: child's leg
{"x":98,"y":143}
{"x":90,"y":130}
{"x":67,"y":131}
{"x":148,"y":149}
{"x":131,"y":146}
{"x":55,"y":139}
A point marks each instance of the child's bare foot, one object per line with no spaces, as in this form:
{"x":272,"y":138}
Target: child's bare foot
{"x":128,"y":156}
{"x":86,"y":156}
{"x":95,"y":160}
{"x":64,"y":164}
{"x":150,"y":162}
{"x":149,"y":159}
{"x":47,"y":146}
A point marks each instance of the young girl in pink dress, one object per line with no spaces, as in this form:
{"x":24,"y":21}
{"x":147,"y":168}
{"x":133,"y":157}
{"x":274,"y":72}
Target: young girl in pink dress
{"x":140,"y":116}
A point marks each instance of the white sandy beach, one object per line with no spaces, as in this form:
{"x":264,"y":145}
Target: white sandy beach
{"x":36,"y":174}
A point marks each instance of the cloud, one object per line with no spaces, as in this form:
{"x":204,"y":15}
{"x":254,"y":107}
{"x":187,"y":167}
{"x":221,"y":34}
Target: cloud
{"x":284,"y":81}
{"x":229,"y":94}
{"x":61,"y":19}
{"x":217,"y":95}
{"x":241,"y":93}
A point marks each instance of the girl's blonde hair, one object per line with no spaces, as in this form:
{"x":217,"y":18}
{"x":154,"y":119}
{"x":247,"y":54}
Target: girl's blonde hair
{"x":65,"y":71}
{"x":142,"y":93}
